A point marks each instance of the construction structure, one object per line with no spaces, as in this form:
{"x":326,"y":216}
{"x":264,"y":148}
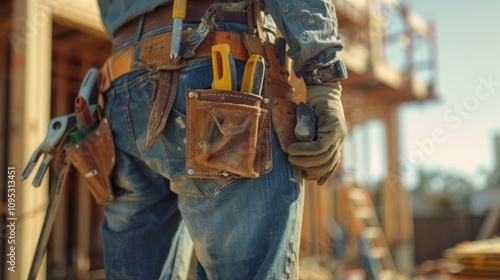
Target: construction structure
{"x":390,"y":54}
{"x":47,"y":47}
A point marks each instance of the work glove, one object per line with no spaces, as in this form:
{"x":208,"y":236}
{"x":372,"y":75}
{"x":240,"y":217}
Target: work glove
{"x":317,"y":159}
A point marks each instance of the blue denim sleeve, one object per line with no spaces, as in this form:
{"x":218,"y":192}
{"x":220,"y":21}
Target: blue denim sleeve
{"x":310,"y":29}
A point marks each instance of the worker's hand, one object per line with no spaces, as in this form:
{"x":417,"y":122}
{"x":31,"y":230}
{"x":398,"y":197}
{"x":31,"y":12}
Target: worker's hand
{"x":318,"y":158}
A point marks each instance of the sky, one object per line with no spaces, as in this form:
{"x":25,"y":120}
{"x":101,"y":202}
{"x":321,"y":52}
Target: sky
{"x":454,"y":133}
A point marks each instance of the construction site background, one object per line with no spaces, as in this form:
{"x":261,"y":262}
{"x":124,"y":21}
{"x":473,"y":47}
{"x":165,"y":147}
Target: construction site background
{"x":357,"y":226}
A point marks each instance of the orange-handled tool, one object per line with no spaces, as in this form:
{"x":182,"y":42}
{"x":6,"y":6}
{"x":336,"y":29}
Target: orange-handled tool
{"x":178,"y":15}
{"x":224,"y":68}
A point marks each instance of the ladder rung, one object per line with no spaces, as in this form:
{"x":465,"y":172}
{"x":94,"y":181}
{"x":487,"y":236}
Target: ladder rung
{"x":378,"y":253}
{"x":371,"y":232}
{"x":356,"y":194}
{"x":387,"y":275}
{"x":364,"y":213}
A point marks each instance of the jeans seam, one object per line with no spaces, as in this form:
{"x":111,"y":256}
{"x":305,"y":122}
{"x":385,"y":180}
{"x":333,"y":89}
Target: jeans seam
{"x":126,"y":114}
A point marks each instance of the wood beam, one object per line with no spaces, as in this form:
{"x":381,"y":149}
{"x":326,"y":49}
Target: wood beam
{"x":3,"y":129}
{"x":82,"y":15}
{"x":30,"y":107}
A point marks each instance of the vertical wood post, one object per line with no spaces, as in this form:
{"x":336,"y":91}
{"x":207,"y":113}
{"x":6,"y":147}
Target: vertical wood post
{"x":30,"y":111}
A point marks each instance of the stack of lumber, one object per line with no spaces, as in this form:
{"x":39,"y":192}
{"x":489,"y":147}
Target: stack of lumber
{"x":480,"y":259}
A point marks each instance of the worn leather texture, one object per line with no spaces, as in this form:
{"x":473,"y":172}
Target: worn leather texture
{"x":228,"y":135}
{"x":275,"y":85}
{"x":163,"y":96}
{"x":94,"y":158}
{"x":284,"y":116}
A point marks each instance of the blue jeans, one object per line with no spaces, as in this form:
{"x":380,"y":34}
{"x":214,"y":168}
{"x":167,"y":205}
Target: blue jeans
{"x":241,"y":229}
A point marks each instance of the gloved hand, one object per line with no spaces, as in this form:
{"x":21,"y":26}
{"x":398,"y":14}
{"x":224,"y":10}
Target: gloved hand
{"x":318,"y":158}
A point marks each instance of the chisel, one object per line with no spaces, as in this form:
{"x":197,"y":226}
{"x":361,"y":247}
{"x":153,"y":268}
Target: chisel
{"x":178,"y":15}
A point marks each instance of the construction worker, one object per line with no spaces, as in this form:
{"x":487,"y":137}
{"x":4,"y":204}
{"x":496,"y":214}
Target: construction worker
{"x":244,"y":221}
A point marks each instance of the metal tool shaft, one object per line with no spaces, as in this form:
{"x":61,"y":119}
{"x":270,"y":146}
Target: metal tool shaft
{"x":178,"y":15}
{"x":50,"y":215}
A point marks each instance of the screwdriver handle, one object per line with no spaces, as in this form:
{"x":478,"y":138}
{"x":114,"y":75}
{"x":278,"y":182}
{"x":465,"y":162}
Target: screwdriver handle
{"x":253,"y":76}
{"x":179,"y":9}
{"x":224,"y":68}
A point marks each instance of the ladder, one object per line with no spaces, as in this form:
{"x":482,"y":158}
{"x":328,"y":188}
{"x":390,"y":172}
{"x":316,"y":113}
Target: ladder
{"x":373,"y":245}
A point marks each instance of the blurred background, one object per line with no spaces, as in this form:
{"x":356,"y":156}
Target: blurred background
{"x":418,"y":192}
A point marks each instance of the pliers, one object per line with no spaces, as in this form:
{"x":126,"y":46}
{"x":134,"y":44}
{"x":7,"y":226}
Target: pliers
{"x":58,"y":127}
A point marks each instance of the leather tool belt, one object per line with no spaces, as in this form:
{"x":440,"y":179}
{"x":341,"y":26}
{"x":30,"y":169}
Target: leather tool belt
{"x":153,"y":53}
{"x":162,"y":16}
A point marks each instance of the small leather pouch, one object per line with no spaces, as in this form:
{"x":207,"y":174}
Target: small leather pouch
{"x":284,"y":115}
{"x":228,"y":135}
{"x":163,"y":96}
{"x":94,"y":158}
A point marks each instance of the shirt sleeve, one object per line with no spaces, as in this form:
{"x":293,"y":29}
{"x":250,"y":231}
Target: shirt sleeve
{"x":310,"y":29}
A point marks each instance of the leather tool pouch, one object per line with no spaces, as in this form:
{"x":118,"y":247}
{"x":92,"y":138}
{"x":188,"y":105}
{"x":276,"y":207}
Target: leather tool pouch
{"x":228,"y":135}
{"x":277,"y":87}
{"x":284,"y":117}
{"x":94,"y":158}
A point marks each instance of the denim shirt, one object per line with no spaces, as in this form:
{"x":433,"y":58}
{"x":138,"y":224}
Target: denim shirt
{"x":309,"y":26}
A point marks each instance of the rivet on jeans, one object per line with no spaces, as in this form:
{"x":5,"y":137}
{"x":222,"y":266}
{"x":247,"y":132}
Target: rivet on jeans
{"x":225,"y":173}
{"x":191,"y":94}
{"x":266,"y":166}
{"x":190,"y":171}
{"x":266,"y":100}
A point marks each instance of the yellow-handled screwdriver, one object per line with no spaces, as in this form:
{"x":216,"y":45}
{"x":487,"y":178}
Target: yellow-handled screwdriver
{"x":253,"y":76}
{"x":178,"y":15}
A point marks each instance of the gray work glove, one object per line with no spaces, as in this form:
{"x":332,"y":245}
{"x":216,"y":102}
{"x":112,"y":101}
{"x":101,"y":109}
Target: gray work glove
{"x":318,"y":158}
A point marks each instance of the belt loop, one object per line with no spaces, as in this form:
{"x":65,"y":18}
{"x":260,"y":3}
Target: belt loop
{"x":138,"y":31}
{"x":252,"y":30}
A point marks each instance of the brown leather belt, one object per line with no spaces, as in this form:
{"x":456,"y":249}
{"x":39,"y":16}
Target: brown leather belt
{"x":162,"y":17}
{"x":154,"y":52}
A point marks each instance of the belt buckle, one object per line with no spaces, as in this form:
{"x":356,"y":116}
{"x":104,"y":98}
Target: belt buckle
{"x":207,"y":24}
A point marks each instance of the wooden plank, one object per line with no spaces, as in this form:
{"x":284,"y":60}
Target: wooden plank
{"x":79,"y":14}
{"x":15,"y":125}
{"x":3,"y":130}
{"x":33,"y":81}
{"x":418,"y":25}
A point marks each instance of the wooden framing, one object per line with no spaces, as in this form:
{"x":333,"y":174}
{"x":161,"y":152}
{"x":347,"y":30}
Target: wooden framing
{"x":30,"y":102}
{"x":4,"y":29}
